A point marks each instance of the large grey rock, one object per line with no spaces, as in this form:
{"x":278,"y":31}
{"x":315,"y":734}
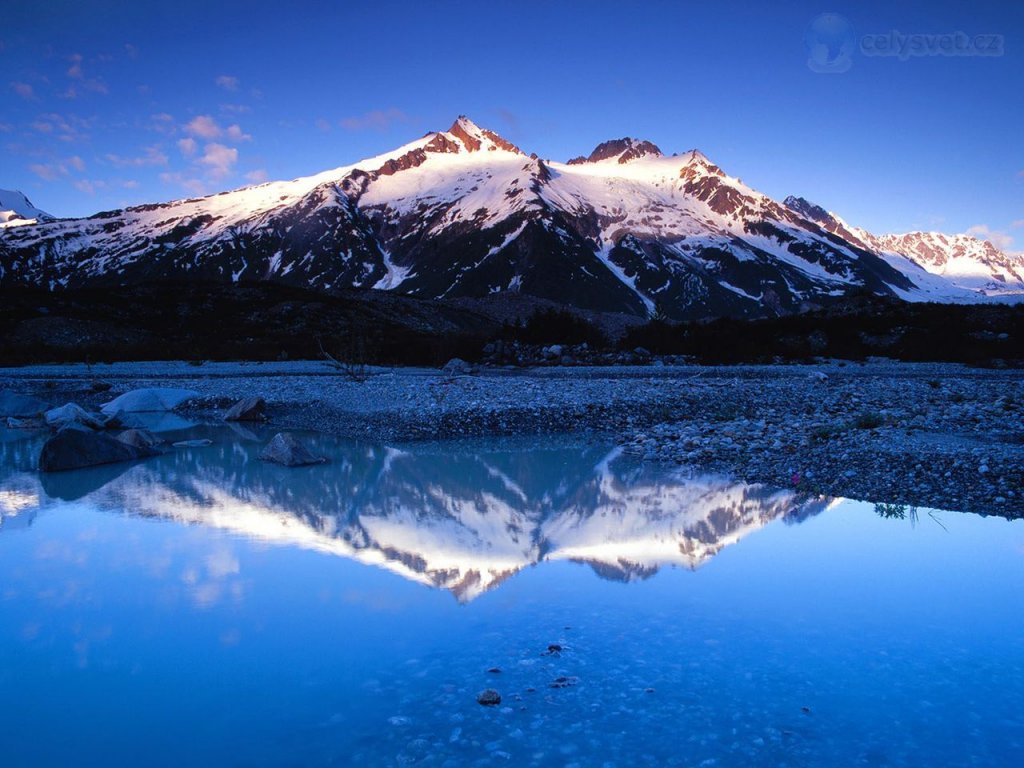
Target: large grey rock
{"x":70,"y":414}
{"x":247,"y":409}
{"x":286,"y":450}
{"x":149,"y":400}
{"x":19,"y":405}
{"x":74,"y":449}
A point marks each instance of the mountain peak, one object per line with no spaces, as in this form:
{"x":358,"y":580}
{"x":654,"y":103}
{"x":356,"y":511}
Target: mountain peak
{"x":15,"y":207}
{"x":476,"y":139}
{"x":807,"y":209}
{"x":624,"y":150}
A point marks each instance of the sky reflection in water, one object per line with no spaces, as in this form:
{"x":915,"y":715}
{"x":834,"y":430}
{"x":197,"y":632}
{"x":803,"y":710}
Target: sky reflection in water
{"x":203,"y":608}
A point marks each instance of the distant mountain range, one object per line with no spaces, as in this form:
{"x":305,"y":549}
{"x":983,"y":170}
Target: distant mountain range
{"x":465,"y":213}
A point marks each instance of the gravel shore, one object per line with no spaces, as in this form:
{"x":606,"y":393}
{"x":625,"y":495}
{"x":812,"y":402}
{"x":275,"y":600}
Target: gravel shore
{"x":928,"y":435}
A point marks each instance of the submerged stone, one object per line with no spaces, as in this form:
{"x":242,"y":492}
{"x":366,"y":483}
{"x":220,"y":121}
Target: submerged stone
{"x":284,"y":449}
{"x":488,"y":698}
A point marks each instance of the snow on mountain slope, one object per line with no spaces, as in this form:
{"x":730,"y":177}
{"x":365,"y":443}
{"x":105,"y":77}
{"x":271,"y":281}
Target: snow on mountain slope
{"x":959,"y":267}
{"x":465,"y":213}
{"x":17,"y":210}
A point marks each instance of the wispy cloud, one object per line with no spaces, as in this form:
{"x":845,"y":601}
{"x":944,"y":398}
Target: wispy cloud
{"x":194,"y":185}
{"x":378,"y":119}
{"x":227,"y":82}
{"x":81,"y":83}
{"x":203,"y":126}
{"x":1000,"y":240}
{"x":219,"y":159}
{"x":256,"y":177}
{"x":187,"y":146}
{"x":150,"y":156}
{"x":58,"y":168}
{"x":235,"y":133}
{"x":66,"y":128}
{"x":25,"y":90}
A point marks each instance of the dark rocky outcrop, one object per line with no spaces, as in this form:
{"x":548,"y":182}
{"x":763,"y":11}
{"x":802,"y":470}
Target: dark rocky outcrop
{"x":75,"y":449}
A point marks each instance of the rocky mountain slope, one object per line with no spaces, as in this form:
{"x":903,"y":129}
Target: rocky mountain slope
{"x":465,"y":213}
{"x":965,"y":261}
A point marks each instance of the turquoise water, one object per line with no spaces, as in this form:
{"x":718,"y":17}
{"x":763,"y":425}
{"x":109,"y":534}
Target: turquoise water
{"x":205,"y":609}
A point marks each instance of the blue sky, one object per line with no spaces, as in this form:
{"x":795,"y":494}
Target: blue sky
{"x":112,"y":103}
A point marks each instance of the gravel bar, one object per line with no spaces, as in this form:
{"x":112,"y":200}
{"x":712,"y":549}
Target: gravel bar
{"x":930,"y":435}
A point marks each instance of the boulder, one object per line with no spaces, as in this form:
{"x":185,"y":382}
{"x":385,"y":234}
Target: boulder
{"x":284,"y":449}
{"x":66,"y":415}
{"x":457,"y":367}
{"x":118,"y":420}
{"x":19,"y":405}
{"x":247,"y":409}
{"x":138,"y":438}
{"x":74,"y":449}
{"x":149,"y":400}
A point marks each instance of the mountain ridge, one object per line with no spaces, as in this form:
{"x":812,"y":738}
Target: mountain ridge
{"x":466,"y":213}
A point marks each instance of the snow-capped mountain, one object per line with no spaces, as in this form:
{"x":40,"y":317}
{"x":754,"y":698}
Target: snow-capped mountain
{"x":963,"y":260}
{"x":463,"y":520}
{"x":465,"y":213}
{"x":16,"y":209}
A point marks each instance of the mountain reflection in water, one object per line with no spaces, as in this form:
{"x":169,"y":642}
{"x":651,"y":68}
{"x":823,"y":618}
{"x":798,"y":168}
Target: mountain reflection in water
{"x":460,"y":516}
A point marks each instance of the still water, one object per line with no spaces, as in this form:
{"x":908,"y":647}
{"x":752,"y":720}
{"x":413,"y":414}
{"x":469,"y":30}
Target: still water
{"x":206,"y":609}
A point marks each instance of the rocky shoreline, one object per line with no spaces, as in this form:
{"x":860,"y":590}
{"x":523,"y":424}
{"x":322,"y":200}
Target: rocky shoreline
{"x":930,"y":435}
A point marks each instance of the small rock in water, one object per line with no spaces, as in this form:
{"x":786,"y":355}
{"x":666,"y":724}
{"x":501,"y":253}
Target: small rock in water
{"x":494,"y":670}
{"x":553,"y":649}
{"x":488,"y":698}
{"x":192,"y":443}
{"x":284,"y":449}
{"x":563,"y":682}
